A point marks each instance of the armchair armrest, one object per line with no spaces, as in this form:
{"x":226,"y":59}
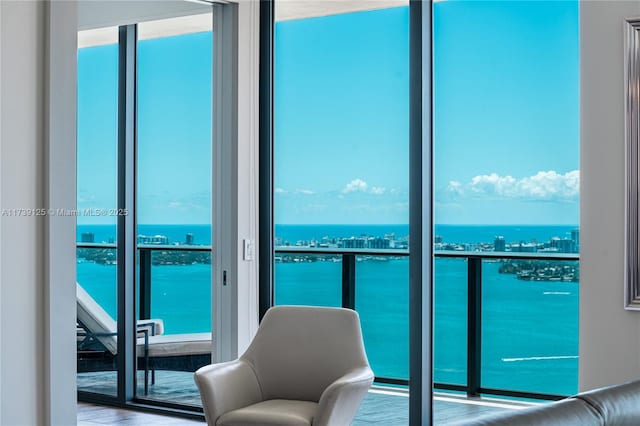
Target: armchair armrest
{"x":226,"y":387}
{"x":340,"y":401}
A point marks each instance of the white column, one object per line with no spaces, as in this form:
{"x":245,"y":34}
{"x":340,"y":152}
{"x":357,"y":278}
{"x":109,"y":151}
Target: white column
{"x":248,"y":91}
{"x":235,"y":174}
{"x":60,"y":231}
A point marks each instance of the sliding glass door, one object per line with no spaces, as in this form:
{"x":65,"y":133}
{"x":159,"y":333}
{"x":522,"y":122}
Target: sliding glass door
{"x":174,"y":198}
{"x":145,"y":166}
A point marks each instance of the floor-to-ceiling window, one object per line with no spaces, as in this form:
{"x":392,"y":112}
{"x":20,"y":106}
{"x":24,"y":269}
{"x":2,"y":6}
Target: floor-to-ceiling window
{"x":341,"y":165}
{"x":506,"y":187}
{"x":505,"y":175}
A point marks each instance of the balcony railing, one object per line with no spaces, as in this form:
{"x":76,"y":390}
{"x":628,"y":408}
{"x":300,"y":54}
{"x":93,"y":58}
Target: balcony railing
{"x":474,"y":305}
{"x":145,"y":261}
{"x":348,"y":257}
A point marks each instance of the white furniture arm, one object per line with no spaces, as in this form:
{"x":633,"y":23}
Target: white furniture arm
{"x":341,"y":399}
{"x":155,"y":326}
{"x":225,"y":387}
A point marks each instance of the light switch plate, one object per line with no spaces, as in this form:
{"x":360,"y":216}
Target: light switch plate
{"x":248,"y":253}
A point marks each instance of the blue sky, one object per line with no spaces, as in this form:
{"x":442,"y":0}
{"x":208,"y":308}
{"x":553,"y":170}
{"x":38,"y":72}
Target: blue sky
{"x":506,"y":118}
{"x":506,"y":112}
{"x":174,"y":129}
{"x":341,"y":118}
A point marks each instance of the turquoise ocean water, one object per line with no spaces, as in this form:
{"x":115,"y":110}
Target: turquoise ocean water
{"x":530,"y":328}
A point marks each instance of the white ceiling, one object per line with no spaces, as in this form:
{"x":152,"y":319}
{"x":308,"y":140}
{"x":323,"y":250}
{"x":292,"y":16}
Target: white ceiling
{"x":298,"y":9}
{"x":94,"y":16}
{"x":106,"y":13}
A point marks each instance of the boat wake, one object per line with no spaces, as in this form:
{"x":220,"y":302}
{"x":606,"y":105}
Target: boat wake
{"x":540,"y":358}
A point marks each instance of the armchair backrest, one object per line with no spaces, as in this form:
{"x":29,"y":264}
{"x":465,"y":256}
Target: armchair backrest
{"x":298,"y":351}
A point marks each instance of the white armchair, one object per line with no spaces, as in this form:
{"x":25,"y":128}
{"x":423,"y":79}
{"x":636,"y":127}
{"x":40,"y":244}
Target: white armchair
{"x":305,"y":366}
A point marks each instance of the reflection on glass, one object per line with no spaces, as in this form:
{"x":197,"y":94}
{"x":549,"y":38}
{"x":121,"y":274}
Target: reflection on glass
{"x":174,"y":202}
{"x":96,"y":167}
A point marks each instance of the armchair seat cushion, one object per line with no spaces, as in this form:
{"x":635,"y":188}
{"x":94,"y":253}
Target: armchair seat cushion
{"x":274,"y":412}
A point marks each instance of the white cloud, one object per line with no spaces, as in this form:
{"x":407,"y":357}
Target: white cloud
{"x":455,"y":187}
{"x":295,"y":191}
{"x":378,"y":190}
{"x":356,"y":185}
{"x":304,"y":191}
{"x":544,"y":185}
{"x":493,"y":184}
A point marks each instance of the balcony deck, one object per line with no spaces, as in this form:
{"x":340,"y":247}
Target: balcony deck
{"x":383,"y":405}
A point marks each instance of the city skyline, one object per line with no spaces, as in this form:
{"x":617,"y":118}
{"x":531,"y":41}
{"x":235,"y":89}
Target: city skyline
{"x":524,"y":238}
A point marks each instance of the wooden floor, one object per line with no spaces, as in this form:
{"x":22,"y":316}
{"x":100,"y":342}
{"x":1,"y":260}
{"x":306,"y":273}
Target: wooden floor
{"x":382,"y":406}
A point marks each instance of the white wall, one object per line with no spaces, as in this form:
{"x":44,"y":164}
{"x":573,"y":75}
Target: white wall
{"x":37,"y":253}
{"x":21,"y":246}
{"x":609,"y":335}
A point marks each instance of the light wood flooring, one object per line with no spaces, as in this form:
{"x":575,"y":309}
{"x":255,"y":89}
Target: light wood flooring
{"x":382,"y":406}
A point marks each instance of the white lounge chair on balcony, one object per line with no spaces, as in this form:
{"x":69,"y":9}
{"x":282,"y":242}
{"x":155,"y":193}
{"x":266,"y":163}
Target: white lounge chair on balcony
{"x":305,"y":366}
{"x":98,"y":343}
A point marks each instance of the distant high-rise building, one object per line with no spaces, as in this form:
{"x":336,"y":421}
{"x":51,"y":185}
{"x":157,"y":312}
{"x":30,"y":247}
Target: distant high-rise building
{"x":437,"y":239}
{"x":189,"y":238}
{"x":354,"y":243}
{"x":575,"y":237}
{"x":378,"y":243}
{"x":499,"y":244}
{"x":153,"y":239}
{"x":524,"y":247}
{"x":566,"y":246}
{"x":88,"y":237}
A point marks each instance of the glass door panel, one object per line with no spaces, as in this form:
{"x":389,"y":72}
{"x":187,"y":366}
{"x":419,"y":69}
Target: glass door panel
{"x":174,"y":84}
{"x":97,"y":135}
